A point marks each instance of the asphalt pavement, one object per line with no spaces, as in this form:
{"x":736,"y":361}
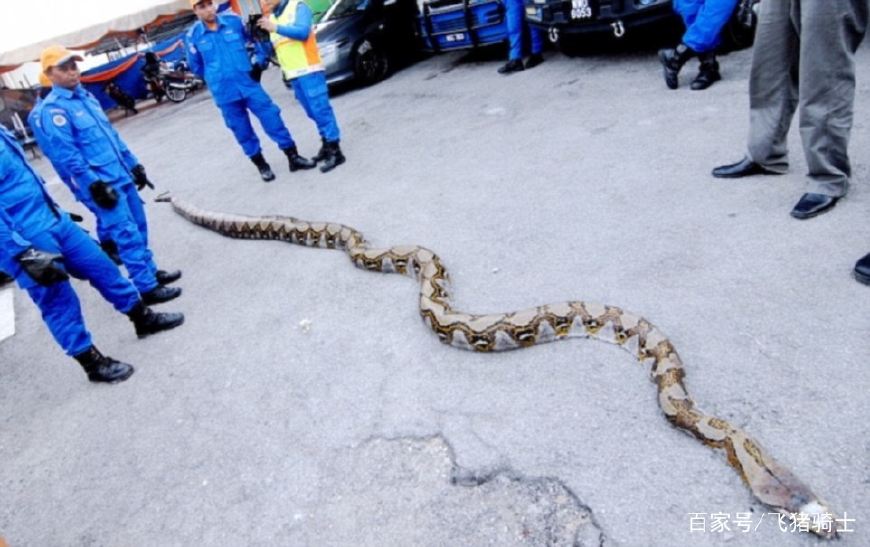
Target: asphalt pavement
{"x":303,"y":402}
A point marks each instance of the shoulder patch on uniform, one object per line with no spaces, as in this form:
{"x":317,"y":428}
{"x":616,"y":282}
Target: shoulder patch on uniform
{"x":58,"y":120}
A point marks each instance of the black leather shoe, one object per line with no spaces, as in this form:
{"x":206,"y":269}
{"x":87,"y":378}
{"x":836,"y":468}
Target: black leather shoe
{"x":743,"y":168}
{"x":148,"y":322}
{"x":161,"y":294}
{"x":534,"y":60}
{"x":515,"y":65}
{"x":862,"y":270}
{"x":811,"y":205}
{"x":165,"y":278}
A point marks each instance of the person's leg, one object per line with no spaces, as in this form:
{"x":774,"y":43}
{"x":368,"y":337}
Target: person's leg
{"x":119,"y":226}
{"x":85,"y":260}
{"x":270,"y":118}
{"x":62,"y":314}
{"x":514,"y":19}
{"x":265,"y":109}
{"x":236,"y":118}
{"x":704,"y":27}
{"x":773,"y":85}
{"x":312,"y":92}
{"x":830,"y":34}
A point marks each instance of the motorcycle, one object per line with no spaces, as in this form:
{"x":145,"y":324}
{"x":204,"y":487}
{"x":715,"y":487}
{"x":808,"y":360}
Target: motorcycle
{"x":178,"y":83}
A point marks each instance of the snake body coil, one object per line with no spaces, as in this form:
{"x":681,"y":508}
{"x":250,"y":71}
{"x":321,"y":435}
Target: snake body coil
{"x":770,"y":482}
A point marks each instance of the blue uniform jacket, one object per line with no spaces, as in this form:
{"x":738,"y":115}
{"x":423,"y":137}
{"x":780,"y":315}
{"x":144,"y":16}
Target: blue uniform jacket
{"x":82,"y":143}
{"x":220,"y":57}
{"x":25,"y":206}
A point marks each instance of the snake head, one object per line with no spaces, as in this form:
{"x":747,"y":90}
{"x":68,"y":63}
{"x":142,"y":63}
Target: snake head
{"x":164,"y":197}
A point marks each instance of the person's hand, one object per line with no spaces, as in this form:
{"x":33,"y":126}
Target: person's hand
{"x":140,"y":178}
{"x":103,"y":194}
{"x":45,"y":268}
{"x":268,"y":24}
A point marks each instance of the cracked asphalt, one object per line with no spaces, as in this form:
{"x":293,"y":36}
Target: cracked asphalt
{"x":303,"y":402}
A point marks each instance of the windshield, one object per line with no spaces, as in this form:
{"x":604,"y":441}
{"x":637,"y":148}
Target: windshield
{"x":344,"y":8}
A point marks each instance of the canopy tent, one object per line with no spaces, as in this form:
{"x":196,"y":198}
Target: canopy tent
{"x":75,"y":24}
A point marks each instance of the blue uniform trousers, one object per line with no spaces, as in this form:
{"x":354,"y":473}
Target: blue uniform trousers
{"x":704,"y":21}
{"x":236,"y":117}
{"x":515,"y":13}
{"x":58,"y":302}
{"x":313,"y":94}
{"x":125,"y":224}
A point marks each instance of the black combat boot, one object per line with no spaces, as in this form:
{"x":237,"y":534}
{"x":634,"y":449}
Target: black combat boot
{"x":534,"y":60}
{"x":148,"y":322}
{"x":111,"y":249}
{"x":708,"y":73}
{"x":672,"y":61}
{"x":160,"y":294}
{"x":263,"y":167}
{"x":321,"y":154}
{"x":102,"y":368}
{"x":333,"y":158}
{"x":515,"y":65}
{"x":296,"y":161}
{"x":165,"y":278}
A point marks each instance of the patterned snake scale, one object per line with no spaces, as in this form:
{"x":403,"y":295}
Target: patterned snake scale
{"x":770,"y":482}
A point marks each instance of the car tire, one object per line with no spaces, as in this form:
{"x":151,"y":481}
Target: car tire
{"x":370,"y":62}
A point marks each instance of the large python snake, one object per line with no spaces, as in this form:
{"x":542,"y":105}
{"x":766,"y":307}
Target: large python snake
{"x":770,"y":482}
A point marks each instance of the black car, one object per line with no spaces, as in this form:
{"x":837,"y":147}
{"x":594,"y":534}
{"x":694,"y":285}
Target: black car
{"x":581,"y":16}
{"x":363,"y":39}
{"x":621,"y":17}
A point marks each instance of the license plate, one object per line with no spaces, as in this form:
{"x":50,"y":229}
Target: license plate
{"x":581,"y":9}
{"x":455,"y":37}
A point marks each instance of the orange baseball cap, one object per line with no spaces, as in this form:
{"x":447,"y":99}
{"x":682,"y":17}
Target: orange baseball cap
{"x":193,"y":3}
{"x":56,"y":55}
{"x":44,"y":82}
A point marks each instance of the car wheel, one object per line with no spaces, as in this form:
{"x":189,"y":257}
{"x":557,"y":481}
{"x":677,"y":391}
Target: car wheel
{"x":370,"y":62}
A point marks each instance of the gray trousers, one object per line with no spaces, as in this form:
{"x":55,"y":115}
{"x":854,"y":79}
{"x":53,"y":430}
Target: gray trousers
{"x":804,"y":59}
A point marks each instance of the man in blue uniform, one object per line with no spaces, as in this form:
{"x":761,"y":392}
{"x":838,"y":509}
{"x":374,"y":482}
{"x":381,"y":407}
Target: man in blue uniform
{"x":41,"y":247}
{"x":100,"y":170}
{"x":517,"y":28}
{"x":216,"y":51}
{"x":704,"y":20}
{"x":35,"y":121}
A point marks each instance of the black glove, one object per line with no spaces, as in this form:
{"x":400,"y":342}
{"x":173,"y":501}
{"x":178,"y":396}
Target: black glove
{"x":45,"y":268}
{"x":140,"y":178}
{"x":256,"y":73}
{"x":103,"y":194}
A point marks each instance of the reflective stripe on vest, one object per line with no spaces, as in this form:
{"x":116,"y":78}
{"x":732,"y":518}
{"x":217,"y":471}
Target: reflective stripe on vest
{"x":295,"y":58}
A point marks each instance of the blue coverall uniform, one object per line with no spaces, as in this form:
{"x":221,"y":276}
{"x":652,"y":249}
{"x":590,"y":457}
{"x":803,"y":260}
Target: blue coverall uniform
{"x":219,"y":56}
{"x":29,"y":218}
{"x":704,"y":21}
{"x":515,"y":15}
{"x":310,"y":89}
{"x":87,"y":149}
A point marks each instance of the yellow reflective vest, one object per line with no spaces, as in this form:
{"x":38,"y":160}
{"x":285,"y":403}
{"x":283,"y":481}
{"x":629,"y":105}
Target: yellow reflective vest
{"x":295,"y":58}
